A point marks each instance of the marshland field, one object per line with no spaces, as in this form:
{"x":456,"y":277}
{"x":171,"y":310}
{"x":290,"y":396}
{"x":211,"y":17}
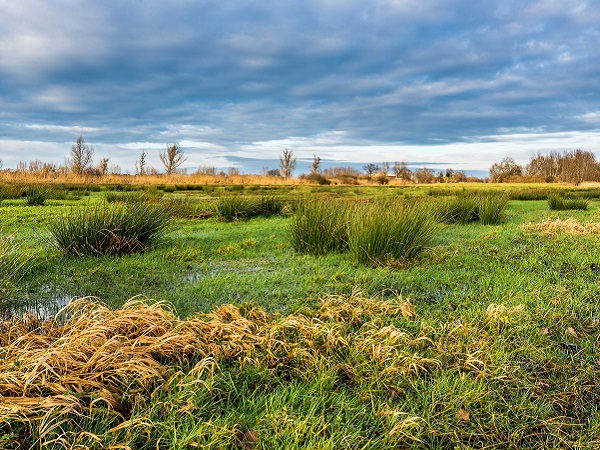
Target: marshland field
{"x":166,"y":316}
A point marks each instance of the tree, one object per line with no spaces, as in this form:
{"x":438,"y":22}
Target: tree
{"x":81,"y":156}
{"x":141,"y":167}
{"x":579,"y":166}
{"x":402,"y":171}
{"x":103,"y":166}
{"x":502,"y":171}
{"x":172,"y":158}
{"x":316,"y":165}
{"x":371,"y":169}
{"x":287,"y":163}
{"x":424,"y":175}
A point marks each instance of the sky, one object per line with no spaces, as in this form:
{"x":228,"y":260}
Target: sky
{"x":435,"y":83}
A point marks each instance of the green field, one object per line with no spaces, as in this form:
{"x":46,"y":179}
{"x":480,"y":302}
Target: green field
{"x":486,"y":339}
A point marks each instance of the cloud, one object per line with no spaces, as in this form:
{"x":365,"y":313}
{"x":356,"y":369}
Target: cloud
{"x":242,"y":79}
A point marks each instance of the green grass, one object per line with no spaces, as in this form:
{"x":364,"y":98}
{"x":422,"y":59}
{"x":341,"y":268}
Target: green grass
{"x":557,"y":203}
{"x":105,"y":230}
{"x":320,"y":227}
{"x":497,"y":347}
{"x":390,"y":233}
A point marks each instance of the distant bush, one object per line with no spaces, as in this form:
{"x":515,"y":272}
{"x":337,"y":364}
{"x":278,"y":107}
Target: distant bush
{"x":318,"y":179}
{"x":319,"y":227}
{"x":390,"y":234}
{"x":557,"y":203}
{"x":111,"y":229}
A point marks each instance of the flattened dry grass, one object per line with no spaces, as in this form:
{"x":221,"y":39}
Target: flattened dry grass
{"x":572,"y":226}
{"x":352,"y":372}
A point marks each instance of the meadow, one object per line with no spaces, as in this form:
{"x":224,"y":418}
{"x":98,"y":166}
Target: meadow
{"x":265,"y":317}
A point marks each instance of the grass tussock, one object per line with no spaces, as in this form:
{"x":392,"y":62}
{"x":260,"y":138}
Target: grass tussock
{"x":234,"y":208}
{"x":391,"y":233}
{"x":557,"y":203}
{"x":111,"y":230}
{"x":572,"y":226}
{"x":13,"y":264}
{"x":320,"y":227}
{"x":485,"y":207}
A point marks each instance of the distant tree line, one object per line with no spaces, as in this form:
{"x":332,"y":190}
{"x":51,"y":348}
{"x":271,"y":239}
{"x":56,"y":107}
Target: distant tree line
{"x":575,"y":167}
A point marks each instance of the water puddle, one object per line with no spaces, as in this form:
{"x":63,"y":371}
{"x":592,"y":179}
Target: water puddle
{"x":43,"y":309}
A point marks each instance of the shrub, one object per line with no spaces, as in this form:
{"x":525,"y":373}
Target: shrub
{"x":491,"y":208}
{"x":111,"y":230}
{"x":35,"y":196}
{"x":319,"y":227}
{"x":557,"y":203}
{"x":391,"y":234}
{"x":318,"y":179}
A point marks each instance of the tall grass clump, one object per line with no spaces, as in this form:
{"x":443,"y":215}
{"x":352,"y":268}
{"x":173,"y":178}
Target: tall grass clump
{"x":461,"y":210}
{"x":557,"y":203}
{"x":110,"y":229}
{"x":35,"y":196}
{"x":320,"y":227}
{"x":391,"y":234}
{"x":133,"y":196}
{"x":234,"y":208}
{"x":491,"y":208}
{"x":12,"y":265}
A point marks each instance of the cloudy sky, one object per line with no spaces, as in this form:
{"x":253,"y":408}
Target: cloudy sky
{"x":441,"y":83}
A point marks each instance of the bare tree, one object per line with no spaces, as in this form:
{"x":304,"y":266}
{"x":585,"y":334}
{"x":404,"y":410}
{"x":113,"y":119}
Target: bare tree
{"x":103,"y":166}
{"x":287,"y":163}
{"x":141,"y":167}
{"x":502,"y":171}
{"x":371,"y":169}
{"x":172,"y":158}
{"x":316,"y":165}
{"x":81,"y":156}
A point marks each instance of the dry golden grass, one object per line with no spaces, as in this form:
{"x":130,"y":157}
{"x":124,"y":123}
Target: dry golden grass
{"x":551,"y":227}
{"x":91,"y":355}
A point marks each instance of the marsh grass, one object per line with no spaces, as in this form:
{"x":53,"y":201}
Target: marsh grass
{"x":348,"y":372}
{"x":36,"y":195}
{"x":111,"y":230}
{"x":138,"y":196}
{"x":319,"y":227}
{"x":390,"y":233}
{"x":491,"y":208}
{"x":13,"y":264}
{"x":233,"y":208}
{"x":461,"y":210}
{"x":557,"y":203}
{"x":486,"y":207}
